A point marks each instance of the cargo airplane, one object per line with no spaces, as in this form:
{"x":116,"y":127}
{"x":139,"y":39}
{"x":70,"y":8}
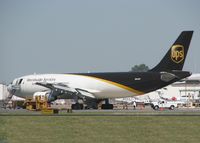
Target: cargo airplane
{"x":92,"y":88}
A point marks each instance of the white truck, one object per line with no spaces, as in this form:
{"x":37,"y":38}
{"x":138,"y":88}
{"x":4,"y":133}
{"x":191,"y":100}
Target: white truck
{"x":164,"y":104}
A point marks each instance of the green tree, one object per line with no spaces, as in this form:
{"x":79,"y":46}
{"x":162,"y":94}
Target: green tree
{"x":140,"y":68}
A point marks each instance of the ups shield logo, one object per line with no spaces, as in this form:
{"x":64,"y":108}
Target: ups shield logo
{"x":177,"y":53}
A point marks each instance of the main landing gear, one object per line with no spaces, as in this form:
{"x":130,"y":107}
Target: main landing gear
{"x":107,"y":105}
{"x":77,"y":106}
{"x":92,"y":104}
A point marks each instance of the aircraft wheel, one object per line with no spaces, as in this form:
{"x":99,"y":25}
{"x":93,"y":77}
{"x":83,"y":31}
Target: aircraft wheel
{"x":172,"y":107}
{"x":91,"y":107}
{"x":107,"y":106}
{"x":156,"y":107}
{"x":77,"y":106}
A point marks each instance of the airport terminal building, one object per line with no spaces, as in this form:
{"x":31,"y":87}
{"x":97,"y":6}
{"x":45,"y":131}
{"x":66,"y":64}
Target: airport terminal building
{"x":185,"y":90}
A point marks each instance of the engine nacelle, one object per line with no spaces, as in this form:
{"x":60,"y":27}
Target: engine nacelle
{"x":44,"y":95}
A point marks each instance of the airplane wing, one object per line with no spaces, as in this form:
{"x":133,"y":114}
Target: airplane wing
{"x":62,"y":88}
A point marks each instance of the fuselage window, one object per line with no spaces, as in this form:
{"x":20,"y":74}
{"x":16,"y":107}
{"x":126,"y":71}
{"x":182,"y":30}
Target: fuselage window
{"x":20,"y":81}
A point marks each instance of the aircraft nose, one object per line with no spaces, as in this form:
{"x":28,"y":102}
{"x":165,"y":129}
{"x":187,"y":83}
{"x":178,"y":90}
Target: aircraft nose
{"x":9,"y":87}
{"x":12,"y":88}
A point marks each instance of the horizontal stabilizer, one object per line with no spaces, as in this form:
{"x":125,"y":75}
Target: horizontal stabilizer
{"x":166,"y":77}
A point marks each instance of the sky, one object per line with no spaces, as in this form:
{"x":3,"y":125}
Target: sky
{"x":63,"y":36}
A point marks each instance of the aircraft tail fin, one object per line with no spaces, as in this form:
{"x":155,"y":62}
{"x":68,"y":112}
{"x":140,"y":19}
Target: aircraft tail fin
{"x":175,"y":57}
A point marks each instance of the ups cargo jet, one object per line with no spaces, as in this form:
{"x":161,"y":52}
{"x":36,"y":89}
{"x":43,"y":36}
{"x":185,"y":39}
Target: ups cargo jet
{"x":92,"y":88}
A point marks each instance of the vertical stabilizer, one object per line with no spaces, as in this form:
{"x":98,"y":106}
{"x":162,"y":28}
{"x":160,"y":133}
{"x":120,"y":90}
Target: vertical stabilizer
{"x":175,"y":57}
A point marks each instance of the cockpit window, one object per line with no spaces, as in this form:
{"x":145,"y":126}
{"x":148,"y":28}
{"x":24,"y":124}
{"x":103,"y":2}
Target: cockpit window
{"x":20,"y":81}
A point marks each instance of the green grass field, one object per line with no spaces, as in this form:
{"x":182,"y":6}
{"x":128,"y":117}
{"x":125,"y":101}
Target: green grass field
{"x":99,"y":129}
